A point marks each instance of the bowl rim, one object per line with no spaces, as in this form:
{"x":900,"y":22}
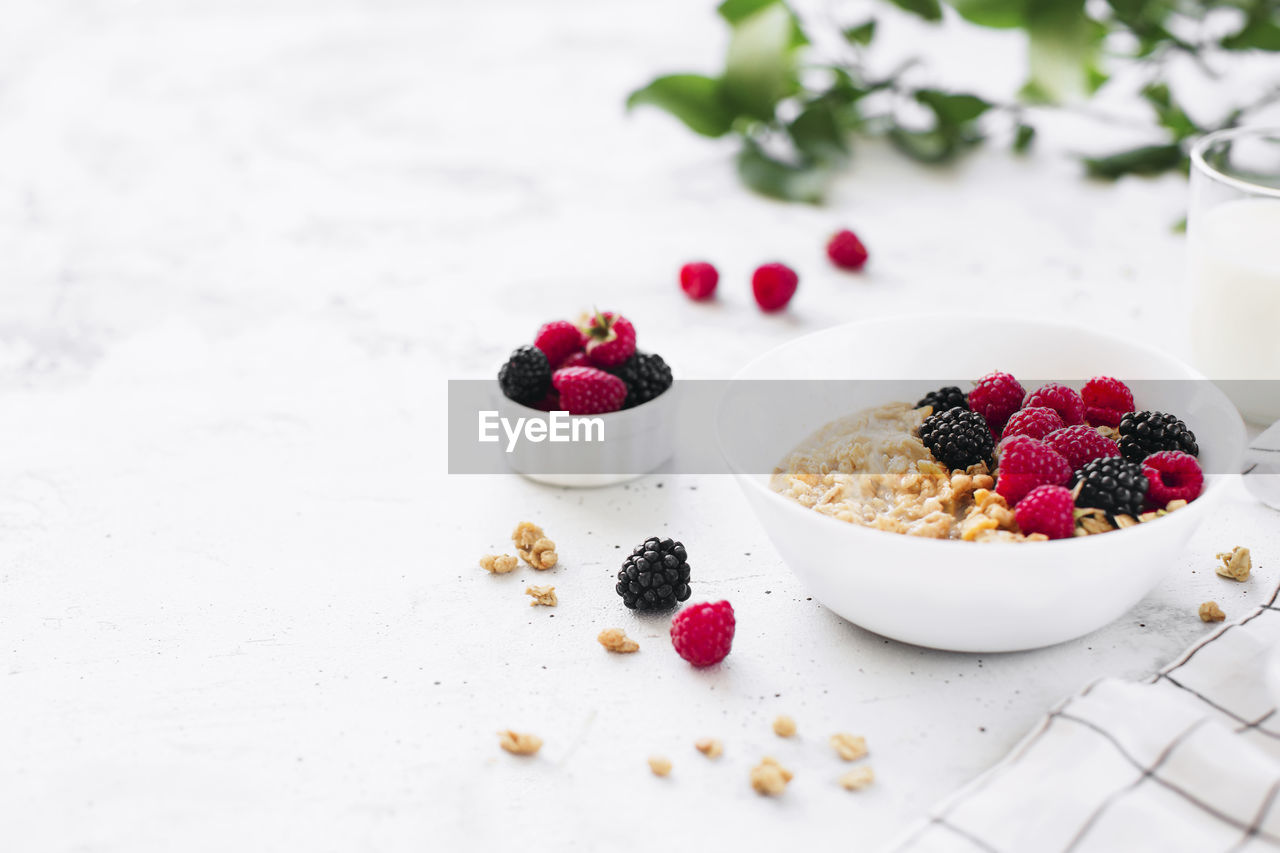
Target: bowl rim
{"x":1214,"y":483}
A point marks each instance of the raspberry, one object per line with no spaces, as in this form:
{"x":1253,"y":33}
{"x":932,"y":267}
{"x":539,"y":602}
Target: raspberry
{"x":996,"y":396}
{"x":948,"y":397}
{"x":1144,"y":433}
{"x":703,"y":633}
{"x":549,"y":403}
{"x":655,"y":576}
{"x":526,"y":377}
{"x":558,"y":340}
{"x":1106,"y":401}
{"x":1049,"y":510}
{"x":1035,"y":421}
{"x":1115,"y":486}
{"x":1063,"y":400}
{"x":773,"y":286}
{"x":1026,"y":463}
{"x":1172,"y":475}
{"x":957,"y":438}
{"x":575,"y":359}
{"x":1081,"y":444}
{"x":611,"y":339}
{"x":698,"y":280}
{"x":846,"y":251}
{"x":589,"y":391}
{"x":645,"y":375}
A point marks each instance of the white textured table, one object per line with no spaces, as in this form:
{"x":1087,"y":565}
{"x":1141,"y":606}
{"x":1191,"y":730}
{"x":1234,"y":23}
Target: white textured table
{"x":244,"y":246}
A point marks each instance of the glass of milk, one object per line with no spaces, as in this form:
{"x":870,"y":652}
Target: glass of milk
{"x":1233,"y":229}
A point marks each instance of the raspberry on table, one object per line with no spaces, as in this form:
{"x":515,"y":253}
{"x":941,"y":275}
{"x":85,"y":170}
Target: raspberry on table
{"x":698,"y":280}
{"x":773,"y":286}
{"x":996,"y":396}
{"x":947,"y":397}
{"x":646,"y":376}
{"x":846,"y":251}
{"x":1172,"y":476}
{"x":574,"y":359}
{"x":589,"y":390}
{"x":1067,"y":402}
{"x":558,"y":340}
{"x":1081,"y":444}
{"x":702,"y":633}
{"x":526,"y":377}
{"x":1049,"y":510}
{"x":957,"y":438}
{"x":1114,"y":485}
{"x":611,"y":339}
{"x":1144,"y":433}
{"x":655,"y":576}
{"x":1026,"y":463}
{"x":1034,"y":421}
{"x":1106,"y":401}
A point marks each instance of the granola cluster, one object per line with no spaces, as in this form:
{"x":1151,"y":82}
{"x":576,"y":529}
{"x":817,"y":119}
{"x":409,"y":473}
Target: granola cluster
{"x":519,"y":743}
{"x":709,"y":746}
{"x":1211,"y":612}
{"x":1236,"y":564}
{"x":533,"y":546}
{"x":499,"y":564}
{"x":769,"y":777}
{"x":544,"y":595}
{"x":849,"y":747}
{"x":617,"y":641}
{"x":784,"y":726}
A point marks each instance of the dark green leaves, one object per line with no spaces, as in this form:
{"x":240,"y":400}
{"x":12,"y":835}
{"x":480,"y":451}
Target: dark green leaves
{"x":954,"y":127}
{"x":1023,"y":137}
{"x":1169,"y":114}
{"x":760,"y":68}
{"x":1261,"y":32}
{"x":992,"y":13}
{"x":1148,"y":160}
{"x":692,"y":98}
{"x":952,"y":109}
{"x":777,"y":179}
{"x":861,"y":34}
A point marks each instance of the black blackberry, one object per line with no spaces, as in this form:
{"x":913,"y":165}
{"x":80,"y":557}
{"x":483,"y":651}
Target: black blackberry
{"x":526,"y":377}
{"x":646,"y":375}
{"x":948,"y":397}
{"x":1114,"y":485}
{"x":958,"y":438}
{"x":655,"y":576}
{"x":1144,"y":433}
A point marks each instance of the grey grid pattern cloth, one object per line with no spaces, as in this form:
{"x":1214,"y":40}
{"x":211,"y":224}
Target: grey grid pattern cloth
{"x":1189,"y":760}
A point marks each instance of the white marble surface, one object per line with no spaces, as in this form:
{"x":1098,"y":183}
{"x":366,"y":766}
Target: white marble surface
{"x":245,"y":244}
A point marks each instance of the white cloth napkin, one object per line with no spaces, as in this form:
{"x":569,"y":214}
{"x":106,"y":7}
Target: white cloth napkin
{"x":1262,"y":466}
{"x":1189,"y":760}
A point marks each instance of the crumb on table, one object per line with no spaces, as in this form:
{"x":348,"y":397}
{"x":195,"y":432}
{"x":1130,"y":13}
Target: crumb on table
{"x":709,"y":746}
{"x":857,"y":778}
{"x":784,"y":726}
{"x":519,"y":743}
{"x":769,"y":777}
{"x":660,"y":765}
{"x":1236,"y":564}
{"x":544,"y":595}
{"x":617,"y":641}
{"x":533,"y":546}
{"x":849,"y":747}
{"x":1211,"y":612}
{"x":498,"y":564}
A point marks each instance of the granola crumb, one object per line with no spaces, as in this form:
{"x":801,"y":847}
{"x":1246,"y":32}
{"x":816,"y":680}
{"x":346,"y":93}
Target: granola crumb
{"x":617,"y":641}
{"x":1172,"y":505}
{"x":784,"y":726}
{"x":709,"y":746}
{"x":659,"y":765}
{"x":519,"y":743}
{"x":858,"y":778}
{"x":498,"y":564}
{"x":849,"y":747}
{"x":1211,"y":612}
{"x":1236,"y":564}
{"x":769,"y":777}
{"x":544,"y":595}
{"x":533,"y":546}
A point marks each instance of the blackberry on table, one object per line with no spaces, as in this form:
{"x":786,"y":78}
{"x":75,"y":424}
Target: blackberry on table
{"x":1144,"y":433}
{"x":958,"y":438}
{"x":1114,"y":485}
{"x":646,"y":376}
{"x":655,"y":576}
{"x":947,"y":397}
{"x":526,"y":377}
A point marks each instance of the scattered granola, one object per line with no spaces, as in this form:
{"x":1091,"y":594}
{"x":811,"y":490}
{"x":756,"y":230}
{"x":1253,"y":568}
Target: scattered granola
{"x":858,"y":778}
{"x":1211,"y":612}
{"x":784,"y":726}
{"x":499,"y":564}
{"x":769,"y":777}
{"x":709,"y":746}
{"x":849,"y":747}
{"x":617,"y":641}
{"x":518,"y":743}
{"x":544,"y":595}
{"x":533,"y":546}
{"x":1236,"y":564}
{"x":659,"y":765}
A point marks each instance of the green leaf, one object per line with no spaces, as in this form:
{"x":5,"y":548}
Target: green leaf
{"x":817,"y":134}
{"x":952,"y":109}
{"x":925,"y":146}
{"x":1023,"y":138}
{"x":1260,"y":33}
{"x":692,"y":98}
{"x":1002,"y":14}
{"x":760,"y":68}
{"x":1064,"y":43}
{"x":736,"y":11}
{"x":1147,"y":160}
{"x":776,"y":179}
{"x":1168,"y":113}
{"x":861,"y":34}
{"x":930,"y":10}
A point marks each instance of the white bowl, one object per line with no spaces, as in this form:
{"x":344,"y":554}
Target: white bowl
{"x":967,"y":596}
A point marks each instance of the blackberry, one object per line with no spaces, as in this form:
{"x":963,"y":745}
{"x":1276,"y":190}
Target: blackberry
{"x":1116,"y":486}
{"x":1144,"y":433}
{"x":646,"y":375}
{"x":948,"y":397}
{"x":526,"y":377}
{"x":655,"y":576}
{"x":958,"y":438}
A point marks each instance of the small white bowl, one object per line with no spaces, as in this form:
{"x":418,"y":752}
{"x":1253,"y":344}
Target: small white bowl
{"x":967,"y":596}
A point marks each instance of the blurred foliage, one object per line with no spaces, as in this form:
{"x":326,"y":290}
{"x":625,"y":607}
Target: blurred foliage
{"x":796,"y":113}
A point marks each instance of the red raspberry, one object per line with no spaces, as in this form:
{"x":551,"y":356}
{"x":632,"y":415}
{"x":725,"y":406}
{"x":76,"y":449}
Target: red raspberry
{"x":773,"y":286}
{"x":996,"y":396}
{"x":1080,"y":444}
{"x":588,"y":390}
{"x":1106,"y":401}
{"x":1173,"y":475}
{"x":703,"y":633}
{"x":549,"y":403}
{"x":1049,"y":510}
{"x":574,"y":359}
{"x":611,"y":339}
{"x":846,"y":251}
{"x":1026,"y":463}
{"x":1063,"y":400}
{"x":558,"y":340}
{"x":1037,"y":422}
{"x":698,"y":280}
